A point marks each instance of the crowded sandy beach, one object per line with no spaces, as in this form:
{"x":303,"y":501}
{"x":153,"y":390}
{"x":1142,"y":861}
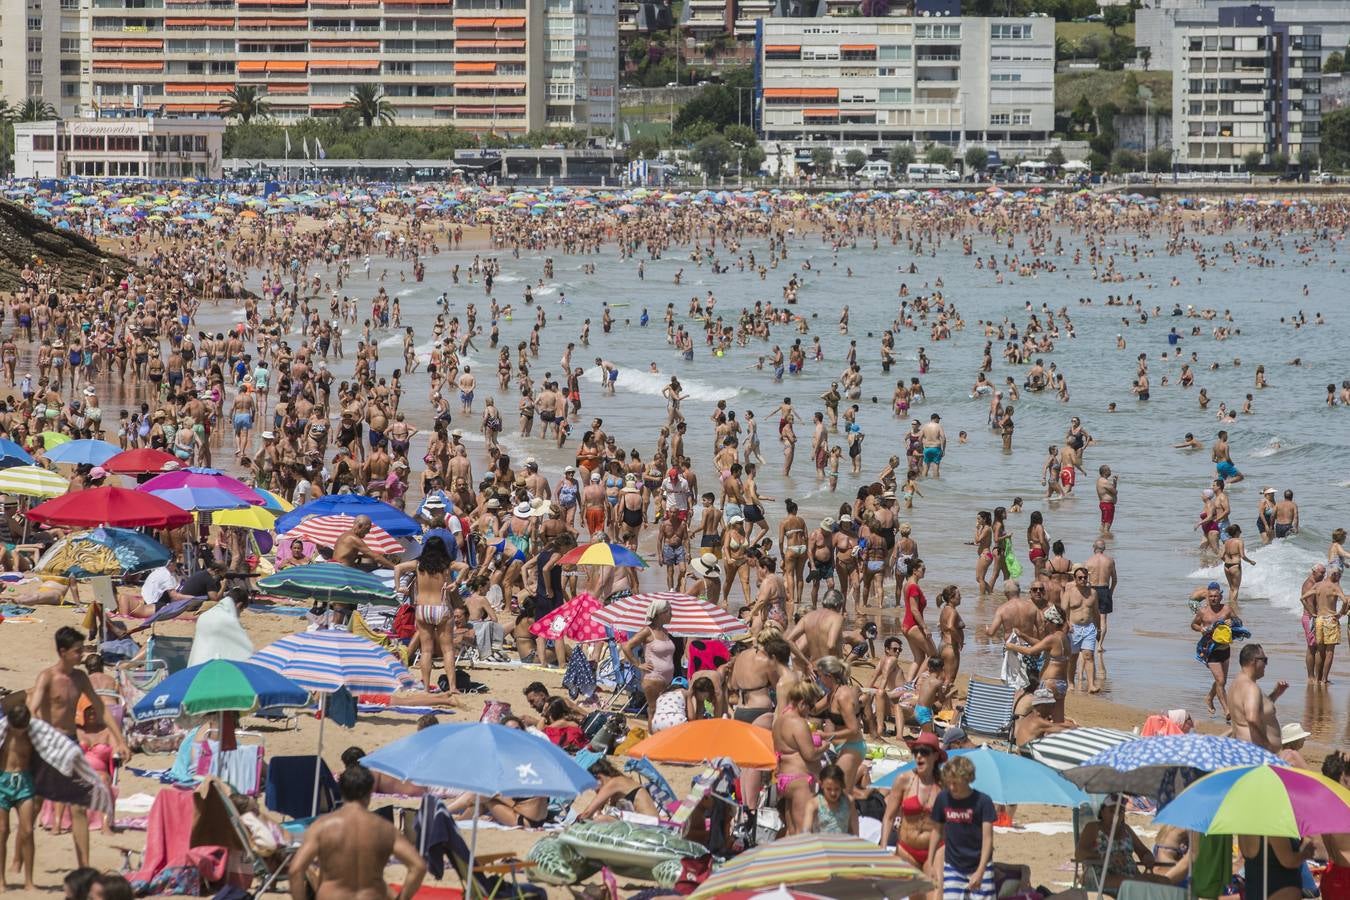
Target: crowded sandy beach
{"x":973,"y":543}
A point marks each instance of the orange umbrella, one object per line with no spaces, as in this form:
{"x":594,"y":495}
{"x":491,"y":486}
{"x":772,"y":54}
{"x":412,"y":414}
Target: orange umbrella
{"x":706,"y":739}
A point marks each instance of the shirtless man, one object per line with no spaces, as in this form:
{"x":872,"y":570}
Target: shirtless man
{"x":1223,"y":460}
{"x":1318,"y":572}
{"x":934,"y":441}
{"x":821,"y":631}
{"x":351,"y":547}
{"x":467,"y":383}
{"x":55,"y":698}
{"x":1253,"y":712}
{"x":1107,"y":492}
{"x":1326,"y":602}
{"x":1019,"y":619}
{"x":820,"y":558}
{"x":1286,"y":516}
{"x":352,"y":847}
{"x":1102,"y":577}
{"x":1080,"y":602}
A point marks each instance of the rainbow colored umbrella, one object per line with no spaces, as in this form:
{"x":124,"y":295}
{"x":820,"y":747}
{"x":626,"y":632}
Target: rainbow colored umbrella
{"x":221,"y":685}
{"x":1272,"y":801}
{"x":602,"y":554}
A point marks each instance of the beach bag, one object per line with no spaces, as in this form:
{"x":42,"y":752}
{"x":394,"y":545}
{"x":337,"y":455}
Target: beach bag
{"x":494,"y":711}
{"x":405,"y":622}
{"x":1222,"y":633}
{"x":670,"y":711}
{"x":1010,"y":561}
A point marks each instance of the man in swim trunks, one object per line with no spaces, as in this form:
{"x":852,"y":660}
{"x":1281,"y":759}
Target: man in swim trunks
{"x":1081,"y":603}
{"x":467,"y":383}
{"x":1286,"y":516}
{"x":1223,"y":460}
{"x":1327,"y":602}
{"x":1107,"y":492}
{"x":16,"y":787}
{"x":820,"y":558}
{"x":934,"y":441}
{"x":1102,"y":576}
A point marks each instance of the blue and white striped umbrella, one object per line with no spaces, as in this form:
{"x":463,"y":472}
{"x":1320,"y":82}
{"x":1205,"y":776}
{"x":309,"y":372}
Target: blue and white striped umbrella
{"x":327,"y":660}
{"x":1150,"y":766}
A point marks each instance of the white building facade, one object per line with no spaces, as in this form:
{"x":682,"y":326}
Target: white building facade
{"x":132,"y":147}
{"x":880,"y":81}
{"x":1246,"y":84}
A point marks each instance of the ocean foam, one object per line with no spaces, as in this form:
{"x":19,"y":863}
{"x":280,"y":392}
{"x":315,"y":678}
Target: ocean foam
{"x":1277,"y":577}
{"x":640,"y":382}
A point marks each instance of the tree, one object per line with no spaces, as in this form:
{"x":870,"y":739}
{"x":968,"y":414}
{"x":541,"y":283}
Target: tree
{"x":1252,"y":160}
{"x":939,"y":155}
{"x":1159,"y":159}
{"x":1307,"y":159}
{"x":34,"y":109}
{"x":1145,"y":56}
{"x":822,"y":160}
{"x":244,"y":103}
{"x":746,"y":143}
{"x":697,"y":131}
{"x":1335,"y":144}
{"x":712,"y":154}
{"x":900,"y":157}
{"x":1279,"y":162}
{"x":855,"y":159}
{"x":367,"y":101}
{"x":1126,"y":161}
{"x":644,"y":148}
{"x":976,"y":159}
{"x":1081,"y":116}
{"x":1335,"y":62}
{"x":1055,"y":158}
{"x":1116,"y":16}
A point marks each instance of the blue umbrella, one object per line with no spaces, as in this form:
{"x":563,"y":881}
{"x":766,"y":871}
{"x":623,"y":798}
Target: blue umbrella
{"x":221,"y":685}
{"x":1151,"y":766}
{"x":1010,"y":779}
{"x":89,"y":452}
{"x":11,"y":454}
{"x":200,"y":498}
{"x":390,"y":518}
{"x":103,"y":551}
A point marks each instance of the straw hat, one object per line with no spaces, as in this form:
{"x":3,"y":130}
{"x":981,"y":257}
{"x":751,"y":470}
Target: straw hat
{"x":1292,"y":733}
{"x":705,"y":566}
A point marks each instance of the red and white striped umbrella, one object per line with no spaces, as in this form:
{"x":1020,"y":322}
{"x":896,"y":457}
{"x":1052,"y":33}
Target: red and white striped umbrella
{"x":325,"y":531}
{"x":689,"y":616}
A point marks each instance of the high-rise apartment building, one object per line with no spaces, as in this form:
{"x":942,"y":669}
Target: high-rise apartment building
{"x":1246,"y":84}
{"x":912,"y":79}
{"x":507,"y":66}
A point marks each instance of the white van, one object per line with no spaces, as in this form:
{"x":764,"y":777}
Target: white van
{"x":875,"y":170}
{"x":929,"y":172}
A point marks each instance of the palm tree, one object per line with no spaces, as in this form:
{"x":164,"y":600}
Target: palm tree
{"x":245,"y":102}
{"x":6,"y":111}
{"x":368,"y":102}
{"x":34,"y":109}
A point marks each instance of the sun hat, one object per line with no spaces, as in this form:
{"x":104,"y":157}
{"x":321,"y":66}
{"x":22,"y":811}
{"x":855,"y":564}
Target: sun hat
{"x":705,"y":566}
{"x":523,"y":509}
{"x":1292,"y":733}
{"x":929,"y":740}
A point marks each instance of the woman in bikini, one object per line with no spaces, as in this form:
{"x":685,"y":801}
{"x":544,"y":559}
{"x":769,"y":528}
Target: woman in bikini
{"x":734,"y":560}
{"x":912,"y":624}
{"x":984,"y":540}
{"x":753,"y":681}
{"x":953,"y":629}
{"x":434,"y":594}
{"x":1055,"y":646}
{"x":1234,"y":555}
{"x":616,"y":789}
{"x":658,"y":653}
{"x":792,"y":544}
{"x":1038,"y":543}
{"x":770,"y":604}
{"x":841,"y":708}
{"x":911,"y":800}
{"x":798,"y":757}
{"x":1000,"y":540}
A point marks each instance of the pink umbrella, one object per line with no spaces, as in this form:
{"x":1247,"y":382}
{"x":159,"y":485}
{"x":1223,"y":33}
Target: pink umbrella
{"x":572,"y":620}
{"x":325,"y":531}
{"x":198,"y":477}
{"x":690,"y":616}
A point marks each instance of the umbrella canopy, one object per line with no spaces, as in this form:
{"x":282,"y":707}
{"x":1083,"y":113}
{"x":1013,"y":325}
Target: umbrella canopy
{"x":508,"y":762}
{"x":690,"y":616}
{"x":273,"y":503}
{"x":779,"y":893}
{"x":704,"y":739}
{"x":141,"y":461}
{"x":110,"y":505}
{"x":325,"y":531}
{"x":814,"y":859}
{"x":103,"y":551}
{"x":1271,"y":801}
{"x":32,"y":481}
{"x":89,"y":452}
{"x":1011,"y":779}
{"x":328,"y":582}
{"x":197,"y":498}
{"x":221,"y":685}
{"x":327,"y":660}
{"x":1148,"y":766}
{"x":390,"y":518}
{"x":602,"y":554}
{"x":1066,"y":749}
{"x":256,"y":517}
{"x":11,"y":454}
{"x":572,"y":620}
{"x":198,"y":477}
{"x":52,"y":439}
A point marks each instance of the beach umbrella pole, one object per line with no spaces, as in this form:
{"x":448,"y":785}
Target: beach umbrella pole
{"x":470,"y":881}
{"x":1106,"y":857}
{"x":318,"y":756}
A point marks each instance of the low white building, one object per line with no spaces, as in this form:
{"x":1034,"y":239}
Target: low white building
{"x":131,"y":147}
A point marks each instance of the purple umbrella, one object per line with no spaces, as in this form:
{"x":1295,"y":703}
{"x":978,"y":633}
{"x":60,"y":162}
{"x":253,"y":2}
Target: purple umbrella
{"x":196,"y":477}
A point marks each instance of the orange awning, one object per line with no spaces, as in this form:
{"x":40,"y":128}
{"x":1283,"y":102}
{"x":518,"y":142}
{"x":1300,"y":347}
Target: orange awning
{"x":479,"y":44}
{"x":334,"y":45}
{"x":286,"y":66}
{"x":185,"y":23}
{"x":510,"y":45}
{"x":129,"y":67}
{"x":782,"y":48}
{"x":821,"y":113}
{"x":252,"y":65}
{"x":128,"y":44}
{"x":273,"y":23}
{"x":483,"y":67}
{"x":288,"y":89}
{"x":512,"y":22}
{"x":345,"y":64}
{"x":191,"y":107}
{"x":511,"y":110}
{"x":327,"y":105}
{"x":473,"y":23}
{"x":859,"y":48}
{"x":804,"y":93}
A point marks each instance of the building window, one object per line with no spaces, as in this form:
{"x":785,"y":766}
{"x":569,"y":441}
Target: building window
{"x":1021,"y":117}
{"x":1004,"y":31}
{"x":943,"y":31}
{"x":999,"y":119}
{"x":122,"y":144}
{"x":34,"y":68}
{"x":1005,"y":76}
{"x":891,"y":52}
{"x":70,"y":45}
{"x":35,"y":23}
{"x":895,"y":95}
{"x":34,"y":46}
{"x":44,"y":142}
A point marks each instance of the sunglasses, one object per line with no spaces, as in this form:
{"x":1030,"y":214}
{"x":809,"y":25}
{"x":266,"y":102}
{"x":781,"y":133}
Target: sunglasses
{"x":924,"y":751}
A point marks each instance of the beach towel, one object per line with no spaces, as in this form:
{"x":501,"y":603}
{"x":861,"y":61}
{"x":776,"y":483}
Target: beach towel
{"x":61,"y":773}
{"x":1017,"y":669}
{"x":1157,"y":724}
{"x":579,"y":679}
{"x":168,"y":837}
{"x":220,"y":635}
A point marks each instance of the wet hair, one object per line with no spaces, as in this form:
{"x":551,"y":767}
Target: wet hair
{"x":78,"y":882}
{"x":1249,"y":653}
{"x":356,"y":783}
{"x":67,"y":637}
{"x":790,"y":506}
{"x":1338,"y":535}
{"x":427,"y":721}
{"x":115,"y":887}
{"x":947,"y":594}
{"x":352,"y":756}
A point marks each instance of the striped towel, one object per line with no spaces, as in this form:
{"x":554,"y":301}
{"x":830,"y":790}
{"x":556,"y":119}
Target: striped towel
{"x":62,"y":774}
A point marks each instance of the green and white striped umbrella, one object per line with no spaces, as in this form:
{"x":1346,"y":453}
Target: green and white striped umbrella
{"x":32,"y":481}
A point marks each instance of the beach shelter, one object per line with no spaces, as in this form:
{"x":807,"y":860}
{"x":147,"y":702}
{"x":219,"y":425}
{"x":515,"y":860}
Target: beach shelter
{"x":690,"y":616}
{"x":141,"y":461}
{"x":837,"y":865}
{"x":601,"y":553}
{"x":87,"y":452}
{"x":110,"y":505}
{"x":32,"y":481}
{"x":221,"y":685}
{"x":1010,"y":779}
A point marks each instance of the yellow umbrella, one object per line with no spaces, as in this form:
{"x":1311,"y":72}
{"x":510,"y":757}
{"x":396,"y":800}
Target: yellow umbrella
{"x":247,"y":517}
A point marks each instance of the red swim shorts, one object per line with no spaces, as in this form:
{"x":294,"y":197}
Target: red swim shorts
{"x":1108,"y":512}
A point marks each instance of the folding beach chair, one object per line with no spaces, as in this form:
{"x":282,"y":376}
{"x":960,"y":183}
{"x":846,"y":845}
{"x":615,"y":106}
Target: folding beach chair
{"x":494,"y":874}
{"x":290,"y":787}
{"x":989,"y":709}
{"x":216,"y":822}
{"x":653,"y":781}
{"x":173,"y":652}
{"x":623,"y":679}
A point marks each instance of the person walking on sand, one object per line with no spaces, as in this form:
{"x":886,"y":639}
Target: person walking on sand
{"x":16,"y":789}
{"x":352,"y":847}
{"x":1254,"y":716}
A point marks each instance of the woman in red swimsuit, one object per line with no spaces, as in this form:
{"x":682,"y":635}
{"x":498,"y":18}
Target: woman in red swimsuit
{"x":911,"y":800}
{"x":912,"y":625}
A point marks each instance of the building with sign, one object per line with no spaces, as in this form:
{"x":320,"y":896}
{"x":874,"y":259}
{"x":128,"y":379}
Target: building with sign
{"x":507,"y":66}
{"x":131,"y":147}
